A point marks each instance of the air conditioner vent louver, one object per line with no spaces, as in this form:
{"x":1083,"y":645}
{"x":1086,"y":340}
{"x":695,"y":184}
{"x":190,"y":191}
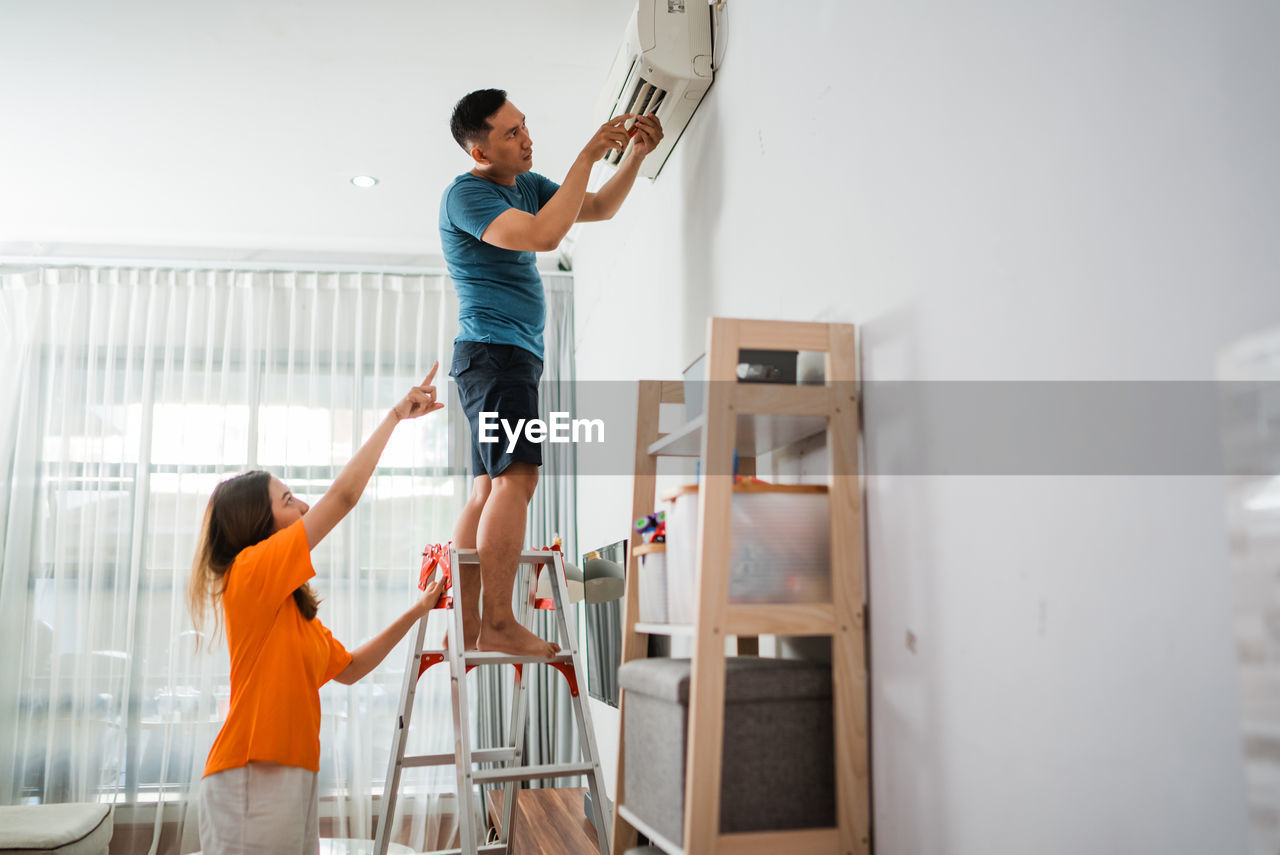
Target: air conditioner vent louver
{"x":645,"y":98}
{"x":666,"y":72}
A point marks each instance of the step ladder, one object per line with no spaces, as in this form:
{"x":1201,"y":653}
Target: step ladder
{"x":509,"y":757}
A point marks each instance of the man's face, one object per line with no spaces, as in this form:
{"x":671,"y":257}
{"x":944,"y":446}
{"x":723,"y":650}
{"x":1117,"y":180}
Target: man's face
{"x":510,"y":147}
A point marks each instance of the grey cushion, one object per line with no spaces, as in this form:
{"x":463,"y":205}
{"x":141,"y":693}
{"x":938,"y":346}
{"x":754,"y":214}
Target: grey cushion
{"x":67,"y":829}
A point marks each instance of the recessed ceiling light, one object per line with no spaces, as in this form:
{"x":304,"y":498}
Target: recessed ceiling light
{"x":364,"y":181}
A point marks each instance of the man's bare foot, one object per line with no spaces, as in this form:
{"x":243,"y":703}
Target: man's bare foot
{"x":470,"y":631}
{"x":511,"y":637}
{"x":472,"y":640}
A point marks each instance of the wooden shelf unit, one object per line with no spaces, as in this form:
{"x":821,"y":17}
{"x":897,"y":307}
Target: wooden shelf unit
{"x":751,"y":419}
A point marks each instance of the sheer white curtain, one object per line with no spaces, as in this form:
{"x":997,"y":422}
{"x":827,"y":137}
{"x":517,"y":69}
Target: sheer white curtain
{"x":128,"y":393}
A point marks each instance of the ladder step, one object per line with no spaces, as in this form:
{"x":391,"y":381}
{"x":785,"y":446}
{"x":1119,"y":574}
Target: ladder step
{"x":486,"y":657}
{"x":526,"y":773}
{"x":485,"y":755}
{"x":529,"y":556}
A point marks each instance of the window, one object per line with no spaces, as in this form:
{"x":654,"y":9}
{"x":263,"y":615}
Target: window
{"x":135,"y":391}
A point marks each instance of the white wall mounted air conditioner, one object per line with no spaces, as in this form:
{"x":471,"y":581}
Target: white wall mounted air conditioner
{"x":663,"y":66}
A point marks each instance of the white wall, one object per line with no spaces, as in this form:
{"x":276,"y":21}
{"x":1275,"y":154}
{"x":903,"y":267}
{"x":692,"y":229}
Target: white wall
{"x":231,"y":130}
{"x":992,"y":191}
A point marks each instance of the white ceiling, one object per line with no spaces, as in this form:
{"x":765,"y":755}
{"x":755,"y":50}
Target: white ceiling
{"x":230,"y":129}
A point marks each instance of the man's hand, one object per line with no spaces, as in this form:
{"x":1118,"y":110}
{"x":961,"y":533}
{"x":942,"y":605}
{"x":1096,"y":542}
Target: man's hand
{"x":420,"y":400}
{"x":612,"y":136}
{"x":647,"y":132}
{"x":645,"y":135}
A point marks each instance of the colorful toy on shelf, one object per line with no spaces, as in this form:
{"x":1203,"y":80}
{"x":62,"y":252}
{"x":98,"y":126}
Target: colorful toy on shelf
{"x":653,"y":525}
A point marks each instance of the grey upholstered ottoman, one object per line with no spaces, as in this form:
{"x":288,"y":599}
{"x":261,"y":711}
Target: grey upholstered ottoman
{"x":67,"y":829}
{"x":778,"y":769}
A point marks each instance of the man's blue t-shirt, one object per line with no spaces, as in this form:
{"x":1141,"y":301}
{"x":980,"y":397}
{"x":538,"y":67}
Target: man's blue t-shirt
{"x":500,"y":296}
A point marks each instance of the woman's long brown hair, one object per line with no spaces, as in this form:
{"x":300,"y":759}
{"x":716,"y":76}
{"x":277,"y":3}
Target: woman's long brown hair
{"x":238,"y":516}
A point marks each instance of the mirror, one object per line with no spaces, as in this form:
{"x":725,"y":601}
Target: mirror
{"x":603,"y":571}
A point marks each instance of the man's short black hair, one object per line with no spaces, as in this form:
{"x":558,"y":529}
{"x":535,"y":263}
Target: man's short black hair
{"x":470,"y":121}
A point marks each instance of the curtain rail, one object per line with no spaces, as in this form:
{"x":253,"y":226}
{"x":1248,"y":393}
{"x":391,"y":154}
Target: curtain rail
{"x":247,"y":266}
{"x":208,"y":264}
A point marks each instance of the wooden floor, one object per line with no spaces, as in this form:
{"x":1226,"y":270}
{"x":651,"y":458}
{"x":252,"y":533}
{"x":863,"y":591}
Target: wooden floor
{"x":548,"y":821}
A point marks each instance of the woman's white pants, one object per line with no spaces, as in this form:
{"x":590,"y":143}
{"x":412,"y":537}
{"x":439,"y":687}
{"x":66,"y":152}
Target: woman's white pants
{"x":259,"y":809}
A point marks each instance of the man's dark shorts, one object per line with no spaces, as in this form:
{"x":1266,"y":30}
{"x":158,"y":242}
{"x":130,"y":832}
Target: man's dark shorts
{"x":502,"y":379}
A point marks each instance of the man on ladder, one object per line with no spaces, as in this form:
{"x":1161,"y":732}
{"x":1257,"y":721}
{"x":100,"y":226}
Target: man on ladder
{"x":494,"y":220}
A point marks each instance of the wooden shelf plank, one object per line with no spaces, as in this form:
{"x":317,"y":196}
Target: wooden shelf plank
{"x":848,"y":647}
{"x":651,"y":394}
{"x":781,"y":335}
{"x":757,"y":434}
{"x":818,"y":841}
{"x":668,"y":846}
{"x":674,"y":629}
{"x":782,"y":399}
{"x":703,"y":766}
{"x":686,"y":441}
{"x":781,"y":619}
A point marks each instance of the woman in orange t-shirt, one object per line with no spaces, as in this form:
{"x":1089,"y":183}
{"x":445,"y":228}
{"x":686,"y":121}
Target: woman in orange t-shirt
{"x":253,"y":564}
